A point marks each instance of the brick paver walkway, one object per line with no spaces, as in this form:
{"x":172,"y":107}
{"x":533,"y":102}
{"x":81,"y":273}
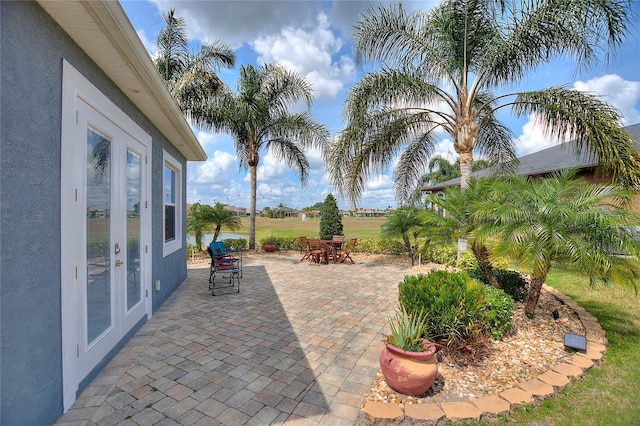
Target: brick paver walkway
{"x":298,"y":345}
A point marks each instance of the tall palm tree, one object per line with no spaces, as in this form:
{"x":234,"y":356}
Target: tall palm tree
{"x":257,"y":117}
{"x":564,"y":219}
{"x":445,"y":73}
{"x":190,"y":77}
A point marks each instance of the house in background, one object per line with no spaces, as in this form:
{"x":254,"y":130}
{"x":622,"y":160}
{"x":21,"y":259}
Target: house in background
{"x":550,"y":160}
{"x":93,"y":162}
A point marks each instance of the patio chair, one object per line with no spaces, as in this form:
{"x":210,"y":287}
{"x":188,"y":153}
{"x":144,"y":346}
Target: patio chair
{"x":304,"y":248}
{"x":316,"y":253}
{"x":346,"y":252}
{"x":219,"y":249}
{"x":333,"y":248}
{"x":224,"y":266}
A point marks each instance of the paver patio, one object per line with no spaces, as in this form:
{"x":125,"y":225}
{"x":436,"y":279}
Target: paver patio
{"x":298,"y":345}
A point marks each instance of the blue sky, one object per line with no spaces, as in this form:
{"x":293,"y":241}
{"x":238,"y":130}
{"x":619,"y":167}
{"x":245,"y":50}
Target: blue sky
{"x":313,"y":38}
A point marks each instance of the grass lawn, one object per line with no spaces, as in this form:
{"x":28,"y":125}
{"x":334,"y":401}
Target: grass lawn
{"x":294,"y":227}
{"x":605,"y":395}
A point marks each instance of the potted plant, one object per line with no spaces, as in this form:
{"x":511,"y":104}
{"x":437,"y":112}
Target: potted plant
{"x":269,"y":244}
{"x":407,"y":360}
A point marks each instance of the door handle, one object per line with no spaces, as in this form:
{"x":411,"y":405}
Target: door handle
{"x":119,"y":262}
{"x":117,"y":248}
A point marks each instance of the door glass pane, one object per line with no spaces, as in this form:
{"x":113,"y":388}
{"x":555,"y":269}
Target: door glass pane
{"x":98,"y":234}
{"x":134,"y":171}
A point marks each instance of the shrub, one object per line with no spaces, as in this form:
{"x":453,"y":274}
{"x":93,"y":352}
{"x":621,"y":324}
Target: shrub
{"x":235,"y":243}
{"x":380,"y":245}
{"x":467,"y":261}
{"x":461,"y":312}
{"x":442,"y":254}
{"x":497,"y":316}
{"x":512,"y":282}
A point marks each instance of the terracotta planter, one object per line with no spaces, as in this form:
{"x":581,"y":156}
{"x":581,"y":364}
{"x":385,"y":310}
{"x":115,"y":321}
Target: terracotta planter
{"x":410,"y":373}
{"x":269,"y":247}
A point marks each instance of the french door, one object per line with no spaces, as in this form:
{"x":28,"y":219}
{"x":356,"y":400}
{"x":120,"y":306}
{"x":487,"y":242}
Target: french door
{"x":105,"y":229}
{"x":110,"y":298}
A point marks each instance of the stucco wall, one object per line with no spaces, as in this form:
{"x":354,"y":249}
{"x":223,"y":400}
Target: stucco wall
{"x":33,"y":47}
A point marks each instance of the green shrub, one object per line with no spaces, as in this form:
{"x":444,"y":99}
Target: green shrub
{"x":442,"y":254}
{"x":512,"y":282}
{"x":380,"y":245}
{"x":467,"y":261}
{"x":235,"y":243}
{"x":461,"y":312}
{"x":499,"y":312}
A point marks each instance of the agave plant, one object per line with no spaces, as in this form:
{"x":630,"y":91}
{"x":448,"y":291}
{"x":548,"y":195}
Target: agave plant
{"x":407,"y":330}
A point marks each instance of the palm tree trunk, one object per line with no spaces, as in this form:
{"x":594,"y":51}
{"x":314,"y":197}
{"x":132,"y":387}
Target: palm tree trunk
{"x":466,"y":164}
{"x":482,"y":257}
{"x":407,"y":244}
{"x":253,"y":171}
{"x":534,"y":294}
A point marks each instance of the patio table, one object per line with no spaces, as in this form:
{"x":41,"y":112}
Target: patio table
{"x":327,"y":246}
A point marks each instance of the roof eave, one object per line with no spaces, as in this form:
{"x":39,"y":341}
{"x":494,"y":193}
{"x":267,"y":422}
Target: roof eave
{"x":116,"y":48}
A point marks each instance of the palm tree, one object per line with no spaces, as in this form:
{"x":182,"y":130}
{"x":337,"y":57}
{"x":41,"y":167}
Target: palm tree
{"x":197,"y":222}
{"x":445,"y":74}
{"x":404,"y":222}
{"x":564,"y":219}
{"x":257,"y":117}
{"x":460,"y":220}
{"x":223,"y":218}
{"x":201,"y":217}
{"x":190,"y":77}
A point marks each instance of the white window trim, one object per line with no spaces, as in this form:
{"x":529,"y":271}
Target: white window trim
{"x":169,"y":247}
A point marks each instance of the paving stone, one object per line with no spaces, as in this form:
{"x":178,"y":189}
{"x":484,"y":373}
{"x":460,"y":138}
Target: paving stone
{"x":492,"y":405}
{"x":461,"y":411}
{"x":148,"y":416}
{"x":425,"y":414}
{"x":537,"y":388}
{"x":231,"y":416}
{"x":265,"y":416}
{"x":374,"y":410}
{"x":554,"y":379}
{"x":516,"y":396}
{"x":581,"y":361}
{"x":568,"y":369}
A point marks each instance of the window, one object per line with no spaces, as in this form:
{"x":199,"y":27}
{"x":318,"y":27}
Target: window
{"x":172,"y":201}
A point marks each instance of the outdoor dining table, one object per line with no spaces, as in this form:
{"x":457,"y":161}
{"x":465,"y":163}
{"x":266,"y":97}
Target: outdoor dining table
{"x":327,"y":246}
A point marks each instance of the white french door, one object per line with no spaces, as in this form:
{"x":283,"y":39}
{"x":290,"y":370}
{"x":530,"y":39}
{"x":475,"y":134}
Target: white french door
{"x":110,"y":299}
{"x":106,"y":229}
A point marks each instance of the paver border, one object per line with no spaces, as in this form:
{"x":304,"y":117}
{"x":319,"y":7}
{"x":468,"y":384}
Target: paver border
{"x":541,"y":387}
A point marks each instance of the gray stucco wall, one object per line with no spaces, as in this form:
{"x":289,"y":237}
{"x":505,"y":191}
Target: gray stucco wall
{"x":33,"y":47}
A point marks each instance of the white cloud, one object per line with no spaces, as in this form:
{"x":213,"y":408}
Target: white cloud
{"x":236,"y":22}
{"x":216,"y":170}
{"x":612,"y":88}
{"x":533,"y":138}
{"x":309,"y":51}
{"x":208,"y":140}
{"x":622,"y":94}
